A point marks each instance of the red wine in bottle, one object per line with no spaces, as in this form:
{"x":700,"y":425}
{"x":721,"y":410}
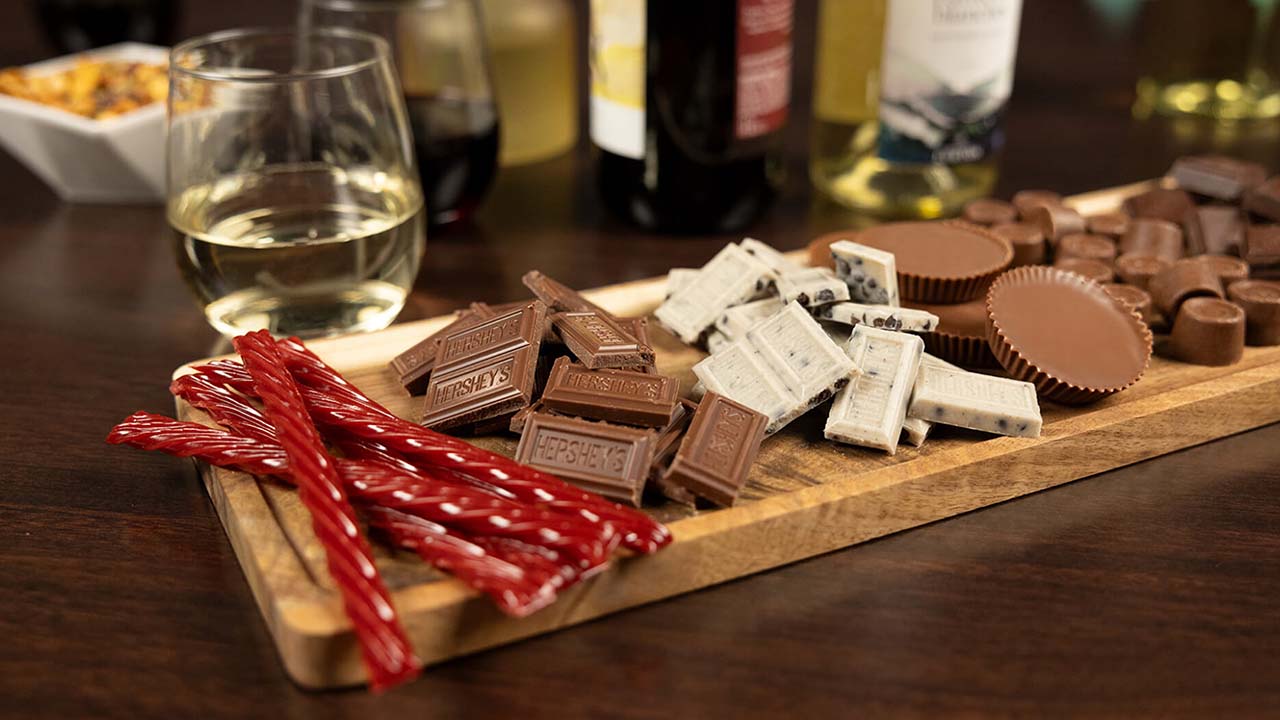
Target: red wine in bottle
{"x":688,"y":103}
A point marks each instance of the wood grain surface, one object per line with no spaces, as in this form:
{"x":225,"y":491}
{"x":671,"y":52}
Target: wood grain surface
{"x":1143,"y":592}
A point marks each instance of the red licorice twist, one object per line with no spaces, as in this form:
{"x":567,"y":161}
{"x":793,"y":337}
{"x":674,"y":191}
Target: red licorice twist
{"x":384,"y":646}
{"x":466,"y":560}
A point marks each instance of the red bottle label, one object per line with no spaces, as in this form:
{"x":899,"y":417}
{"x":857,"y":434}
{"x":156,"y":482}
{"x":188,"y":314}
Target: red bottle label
{"x":764,"y":66}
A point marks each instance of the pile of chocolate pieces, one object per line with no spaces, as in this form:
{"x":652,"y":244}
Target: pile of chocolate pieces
{"x":580,"y":387}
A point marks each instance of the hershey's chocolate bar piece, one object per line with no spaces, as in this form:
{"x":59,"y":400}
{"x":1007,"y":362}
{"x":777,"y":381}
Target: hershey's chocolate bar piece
{"x":623,"y":396}
{"x":668,"y":441}
{"x":598,"y":341}
{"x":639,"y":329}
{"x":715,"y":456}
{"x":558,"y":296}
{"x":485,"y":370}
{"x":1216,"y":176}
{"x":413,"y":366}
{"x":607,"y":459}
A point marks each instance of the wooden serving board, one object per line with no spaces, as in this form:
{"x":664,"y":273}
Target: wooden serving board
{"x":806,"y":496}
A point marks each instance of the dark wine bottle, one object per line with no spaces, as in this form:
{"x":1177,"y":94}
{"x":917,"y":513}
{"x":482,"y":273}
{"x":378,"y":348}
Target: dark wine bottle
{"x":688,"y":104}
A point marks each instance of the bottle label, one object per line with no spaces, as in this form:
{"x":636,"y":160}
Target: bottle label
{"x":617,"y":58}
{"x":946,"y":76}
{"x":764,"y":67}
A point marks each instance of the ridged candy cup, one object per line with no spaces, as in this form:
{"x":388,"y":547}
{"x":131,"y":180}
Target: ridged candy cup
{"x":941,"y":262}
{"x":1065,"y":334}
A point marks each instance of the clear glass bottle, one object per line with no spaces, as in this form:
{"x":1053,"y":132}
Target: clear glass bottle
{"x":908,"y":98}
{"x":533,"y":53}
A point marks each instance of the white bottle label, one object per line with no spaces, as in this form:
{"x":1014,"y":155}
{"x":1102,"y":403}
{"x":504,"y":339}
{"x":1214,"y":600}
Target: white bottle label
{"x":617,"y":55}
{"x":946,"y":75}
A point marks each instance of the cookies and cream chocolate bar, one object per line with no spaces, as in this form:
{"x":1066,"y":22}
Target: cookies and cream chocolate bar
{"x":886,"y":317}
{"x":916,"y":430}
{"x":811,"y":287}
{"x":717,"y":341}
{"x":677,"y":279}
{"x":871,"y":274}
{"x":782,"y":367}
{"x":977,"y":402}
{"x":768,"y":255}
{"x":737,"y":320}
{"x":871,"y":410}
{"x":731,"y":278}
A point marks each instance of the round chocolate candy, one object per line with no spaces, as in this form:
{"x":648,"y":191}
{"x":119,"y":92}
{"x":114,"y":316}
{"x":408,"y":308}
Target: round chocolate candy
{"x":1187,"y":278}
{"x":1064,"y":334}
{"x":1087,"y":246}
{"x":989,"y":211}
{"x":1137,"y":270}
{"x":961,"y":335}
{"x":1136,"y":298}
{"x":1027,"y":242}
{"x":1056,"y":221}
{"x":1112,"y":224}
{"x":1229,"y":269}
{"x":941,"y":262}
{"x":1208,"y":331}
{"x":1261,"y":302}
{"x":1149,"y":236}
{"x":1024,"y":201}
{"x":1096,"y":271}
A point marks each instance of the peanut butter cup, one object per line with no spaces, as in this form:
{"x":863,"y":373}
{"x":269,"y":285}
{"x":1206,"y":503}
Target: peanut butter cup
{"x":961,"y":335}
{"x":941,"y":262}
{"x":1136,"y":298}
{"x":1065,"y":334}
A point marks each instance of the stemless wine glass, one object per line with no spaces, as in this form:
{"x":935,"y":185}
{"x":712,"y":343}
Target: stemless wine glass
{"x":293,"y":195}
{"x":439,"y":49}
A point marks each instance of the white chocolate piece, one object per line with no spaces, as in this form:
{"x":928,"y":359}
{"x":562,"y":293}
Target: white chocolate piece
{"x":885,"y":317}
{"x":935,"y":361}
{"x":800,"y":353}
{"x":977,"y":402}
{"x":871,"y":274}
{"x":717,"y":341}
{"x":871,"y":410}
{"x":767,"y":254}
{"x":812,"y":287}
{"x":915,"y":430}
{"x":738,"y":319}
{"x":732,"y":277}
{"x":782,"y":367}
{"x":678,"y":279}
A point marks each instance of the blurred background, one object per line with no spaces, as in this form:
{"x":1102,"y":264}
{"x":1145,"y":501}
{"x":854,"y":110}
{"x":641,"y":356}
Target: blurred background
{"x":1091,"y":108}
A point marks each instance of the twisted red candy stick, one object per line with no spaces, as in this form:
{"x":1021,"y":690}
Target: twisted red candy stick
{"x":396,"y":484}
{"x":466,"y":560}
{"x":336,"y":403}
{"x":384,"y":646}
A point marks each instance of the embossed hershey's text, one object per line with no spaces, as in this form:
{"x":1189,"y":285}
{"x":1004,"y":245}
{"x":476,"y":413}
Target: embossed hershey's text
{"x":564,"y":450}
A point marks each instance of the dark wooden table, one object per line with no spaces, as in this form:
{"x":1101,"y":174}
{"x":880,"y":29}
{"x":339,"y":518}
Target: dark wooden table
{"x":1149,"y":591}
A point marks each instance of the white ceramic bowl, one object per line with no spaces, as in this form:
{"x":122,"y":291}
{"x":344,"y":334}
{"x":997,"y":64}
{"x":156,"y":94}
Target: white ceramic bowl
{"x":117,"y":160}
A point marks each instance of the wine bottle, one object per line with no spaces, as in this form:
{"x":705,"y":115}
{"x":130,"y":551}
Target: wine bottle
{"x":908,"y":99}
{"x":688,"y":103}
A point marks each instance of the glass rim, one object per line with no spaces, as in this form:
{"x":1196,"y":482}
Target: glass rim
{"x":381,"y":53}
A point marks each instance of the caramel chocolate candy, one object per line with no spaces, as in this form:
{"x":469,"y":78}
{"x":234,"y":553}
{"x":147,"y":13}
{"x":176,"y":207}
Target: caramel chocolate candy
{"x":1208,"y":331}
{"x":1216,"y":176}
{"x":1264,"y":199}
{"x":1161,"y":204}
{"x":715,"y":456}
{"x":941,"y":262}
{"x":989,"y":211}
{"x":1260,"y":300}
{"x":1066,"y":335}
{"x":1187,"y":278}
{"x":1228,"y":269}
{"x":1137,"y":270}
{"x":1027,"y":242}
{"x":1148,"y":236}
{"x":1112,"y":224}
{"x":622,"y":396}
{"x":1094,"y":270}
{"x":1025,"y":201}
{"x":1086,"y":246}
{"x":1261,"y":245}
{"x":1056,"y":221}
{"x":1217,"y":229}
{"x":1136,"y":298}
{"x":610,"y":460}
